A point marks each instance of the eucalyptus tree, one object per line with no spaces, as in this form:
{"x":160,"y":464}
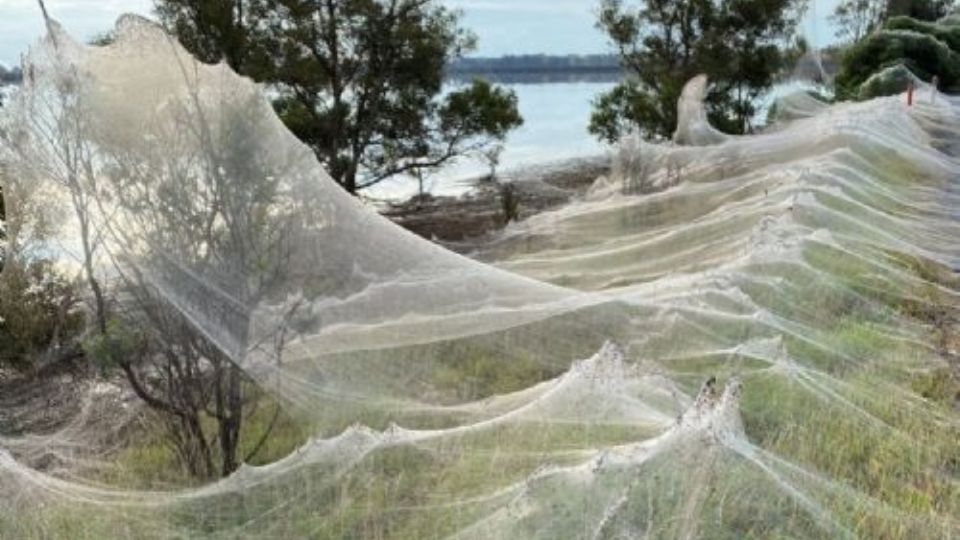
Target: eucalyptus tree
{"x":741,"y":45}
{"x":359,"y":81}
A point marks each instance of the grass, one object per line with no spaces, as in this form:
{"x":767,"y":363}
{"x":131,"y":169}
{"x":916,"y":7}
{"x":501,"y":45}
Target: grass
{"x":479,"y":376}
{"x":149,"y":461}
{"x":864,"y":429}
{"x":882,"y":424}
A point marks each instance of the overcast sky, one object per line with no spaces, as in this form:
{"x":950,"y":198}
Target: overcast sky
{"x":504,"y":26}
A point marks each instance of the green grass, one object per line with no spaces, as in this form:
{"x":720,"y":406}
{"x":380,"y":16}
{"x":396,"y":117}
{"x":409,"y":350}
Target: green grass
{"x":149,"y":460}
{"x":869,"y":424}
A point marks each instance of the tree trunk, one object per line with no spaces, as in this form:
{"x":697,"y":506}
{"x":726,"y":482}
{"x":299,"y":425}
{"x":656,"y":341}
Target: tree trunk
{"x":101,"y":304}
{"x":231,"y":421}
{"x":238,"y":54}
{"x":88,"y":254}
{"x":197,"y":451}
{"x":183,"y":426}
{"x":350,"y":181}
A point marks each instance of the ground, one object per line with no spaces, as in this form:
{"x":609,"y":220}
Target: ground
{"x":459,"y":223}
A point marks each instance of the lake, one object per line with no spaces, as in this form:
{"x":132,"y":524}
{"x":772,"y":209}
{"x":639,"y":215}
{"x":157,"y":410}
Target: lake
{"x":556,"y":115}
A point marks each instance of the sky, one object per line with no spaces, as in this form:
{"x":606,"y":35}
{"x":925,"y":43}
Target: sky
{"x":503,"y":26}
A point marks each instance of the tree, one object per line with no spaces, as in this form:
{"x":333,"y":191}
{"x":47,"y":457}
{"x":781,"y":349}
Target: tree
{"x":492,"y":157}
{"x":889,"y":59}
{"x":923,"y":10}
{"x":854,"y":19}
{"x":205,"y":237}
{"x":187,"y":205}
{"x":359,"y":81}
{"x":741,"y":45}
{"x":40,"y":318}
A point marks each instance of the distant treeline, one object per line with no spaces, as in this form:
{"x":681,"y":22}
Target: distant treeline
{"x":10,"y":76}
{"x":538,"y":66}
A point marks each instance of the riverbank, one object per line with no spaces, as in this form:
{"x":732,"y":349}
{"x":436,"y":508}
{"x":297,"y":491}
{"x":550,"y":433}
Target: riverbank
{"x":459,"y":222}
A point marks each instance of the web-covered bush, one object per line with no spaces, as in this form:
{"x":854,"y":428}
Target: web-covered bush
{"x":947,"y":31}
{"x":926,"y":49}
{"x":887,"y":82}
{"x":922,"y":54}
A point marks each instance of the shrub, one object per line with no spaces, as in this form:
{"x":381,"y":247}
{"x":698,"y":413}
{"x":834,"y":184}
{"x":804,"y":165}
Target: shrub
{"x":947,"y":33}
{"x":509,"y":203}
{"x":40,"y":315}
{"x":925,"y":49}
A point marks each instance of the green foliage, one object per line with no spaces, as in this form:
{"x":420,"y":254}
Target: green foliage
{"x":855,"y":19}
{"x":884,"y":446}
{"x":358,"y":80}
{"x":39,"y":313}
{"x":478,"y":109}
{"x":906,"y":473}
{"x":924,"y":10}
{"x":626,"y":105}
{"x":739,"y":44}
{"x":949,"y":34}
{"x":118,"y":344}
{"x":213,"y":30}
{"x":884,"y":62}
{"x":923,"y":54}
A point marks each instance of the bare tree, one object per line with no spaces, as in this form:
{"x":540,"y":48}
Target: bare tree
{"x":185,"y":378}
{"x":491,"y":156}
{"x":191,"y":209}
{"x":207,"y":235}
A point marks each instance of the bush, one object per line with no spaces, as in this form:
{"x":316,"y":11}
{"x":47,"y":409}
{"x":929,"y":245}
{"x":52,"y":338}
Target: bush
{"x":40,"y":315}
{"x":947,"y":33}
{"x":888,"y":82}
{"x":922,"y":48}
{"x":106,"y":350}
{"x":922,"y":54}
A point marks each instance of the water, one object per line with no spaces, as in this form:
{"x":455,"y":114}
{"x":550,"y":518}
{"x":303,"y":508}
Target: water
{"x":556,"y":116}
